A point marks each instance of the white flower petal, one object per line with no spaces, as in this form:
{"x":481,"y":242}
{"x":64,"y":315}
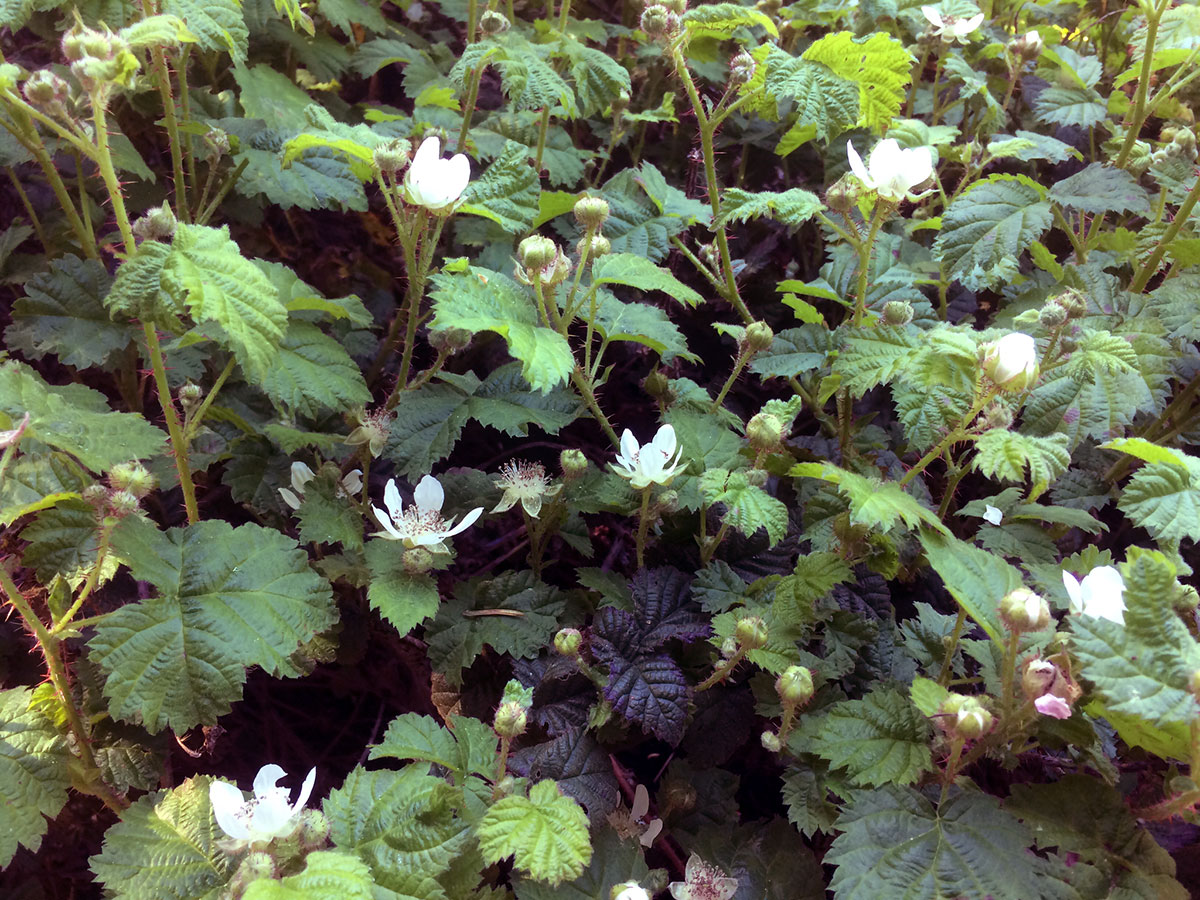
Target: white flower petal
{"x":429,"y":152}
{"x":933,"y":16}
{"x":467,"y":521}
{"x":266,"y":779}
{"x":429,"y":494}
{"x":289,"y":498}
{"x":856,"y":165}
{"x":629,"y":447}
{"x":1074,"y":591}
{"x":386,"y":521}
{"x":992,"y":514}
{"x":305,"y":790}
{"x":391,"y":499}
{"x":227,"y":805}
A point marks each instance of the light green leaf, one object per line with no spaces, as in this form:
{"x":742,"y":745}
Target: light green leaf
{"x":76,"y":419}
{"x":546,"y":833}
{"x":137,"y":290}
{"x":468,"y":750}
{"x":792,"y":207}
{"x":976,"y":579}
{"x":793,"y":352}
{"x":33,"y":769}
{"x":507,"y":191}
{"x":1078,"y":106}
{"x":404,"y":600}
{"x":1006,"y":454}
{"x":642,"y":324}
{"x":985,"y":231}
{"x":270,"y":95}
{"x":1164,"y":498}
{"x":229,"y":598}
{"x":166,"y":845}
{"x":879,"y":65}
{"x":876,"y":504}
{"x":881,"y":739}
{"x":895,"y":844}
{"x":481,"y":300}
{"x":721,"y":20}
{"x":747,"y":507}
{"x":638,"y":272}
{"x":598,"y":77}
{"x":207,"y":269}
{"x":216,"y":24}
{"x":874,"y":356}
{"x":314,"y":373}
{"x":62,"y":313}
{"x":826,"y":105}
{"x":327,"y":875}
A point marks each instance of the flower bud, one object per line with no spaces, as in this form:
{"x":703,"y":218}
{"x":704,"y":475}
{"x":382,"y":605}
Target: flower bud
{"x":158,"y":224}
{"x":597,"y":247}
{"x":995,"y":415}
{"x":510,"y":720}
{"x":794,"y":686}
{"x":132,"y":477}
{"x":255,"y":866}
{"x":741,"y":68}
{"x":679,"y":7}
{"x":417,"y":560}
{"x":493,"y":22}
{"x":505,"y":786}
{"x":313,"y":829}
{"x":771,"y":742}
{"x":1023,"y":610}
{"x":657,"y":385}
{"x":44,"y":88}
{"x":1011,"y":362}
{"x":729,"y":647}
{"x":1038,"y":678}
{"x":676,"y":794}
{"x":964,"y":717}
{"x":560,"y":272}
{"x":1187,"y":598}
{"x":392,"y":156}
{"x":897,"y":312}
{"x":217,"y":142}
{"x":72,"y":44}
{"x":751,"y":633}
{"x":765,"y":432}
{"x":1027,"y":47}
{"x":656,"y":21}
{"x":591,"y":212}
{"x":122,"y":503}
{"x":574,"y":464}
{"x":843,"y":194}
{"x":450,"y":340}
{"x":536,"y":253}
{"x":1073,"y":302}
{"x":567,"y":642}
{"x":621,"y":102}
{"x":759,"y":336}
{"x":1067,"y":344}
{"x":628,"y":890}
{"x":1051,"y":316}
{"x":95,"y":495}
{"x":668,"y":502}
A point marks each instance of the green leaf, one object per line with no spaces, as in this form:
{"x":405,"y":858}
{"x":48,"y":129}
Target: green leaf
{"x":1100,"y":188}
{"x":599,"y":79}
{"x":398,"y":822}
{"x":546,"y":834}
{"x":327,"y":875}
{"x":1164,"y":498}
{"x":217,"y":24}
{"x":975,"y":578}
{"x":879,"y":65}
{"x":481,"y":300}
{"x":137,"y":290}
{"x":507,"y":191}
{"x":468,"y":621}
{"x":721,"y":20}
{"x":229,"y":598}
{"x":207,"y":269}
{"x":894,"y":844}
{"x":1078,"y":106}
{"x":826,"y":105}
{"x":313,"y":373}
{"x":874,"y":356}
{"x":32,"y":483}
{"x":1005,"y":454}
{"x":747,"y":506}
{"x":63,"y":541}
{"x":505,"y":401}
{"x":62,"y":313}
{"x":985,"y":231}
{"x":792,"y":207}
{"x":319,"y":180}
{"x":413,"y":736}
{"x":879,"y":740}
{"x":270,"y":95}
{"x":166,"y":845}
{"x":876,"y":504}
{"x":528,"y":80}
{"x":76,"y":419}
{"x":641,"y":323}
{"x":326,"y":514}
{"x":639,"y":272}
{"x":614,"y":861}
{"x":793,"y":352}
{"x":433,"y":420}
{"x":33,"y":769}
{"x":404,"y":600}
{"x":1142,"y":668}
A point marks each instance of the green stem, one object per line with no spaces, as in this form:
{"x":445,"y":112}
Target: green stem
{"x":29,"y":210}
{"x":951,"y":647}
{"x":413,"y":296}
{"x":721,"y":672}
{"x":864,"y":261}
{"x":543,"y":128}
{"x":501,"y":766}
{"x":708,"y":550}
{"x":1150,"y":266}
{"x":1134,"y":124}
{"x":185,"y":108}
{"x":109,"y":175}
{"x":162,"y":75}
{"x":226,"y":186}
{"x":197,"y":418}
{"x":643,"y":526}
{"x":953,"y":436}
{"x":469,"y":106}
{"x":739,"y":363}
{"x":179,"y":446}
{"x":1008,"y":675}
{"x":951,"y":771}
{"x":583,"y":384}
{"x":93,"y":579}
{"x":472,"y":21}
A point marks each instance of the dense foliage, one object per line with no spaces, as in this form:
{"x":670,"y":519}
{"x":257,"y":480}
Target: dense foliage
{"x":615,"y":451}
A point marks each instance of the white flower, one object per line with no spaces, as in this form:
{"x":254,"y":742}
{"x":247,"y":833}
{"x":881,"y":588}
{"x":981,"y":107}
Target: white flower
{"x":703,"y":882}
{"x":1055,"y":707}
{"x":433,"y":182}
{"x":350,"y":485}
{"x":268,"y":814}
{"x":525,"y":482}
{"x":629,"y":890}
{"x":1100,"y":594}
{"x":890,"y":171}
{"x":651,"y":464}
{"x":1012,"y":362}
{"x":993,"y":515}
{"x":952,"y":28}
{"x":421,"y":524}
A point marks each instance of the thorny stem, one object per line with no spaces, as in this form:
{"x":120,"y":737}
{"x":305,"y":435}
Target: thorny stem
{"x":1008,"y":675}
{"x":93,"y":579}
{"x":29,"y":210}
{"x":953,"y":436}
{"x":951,"y":770}
{"x":49,"y":645}
{"x":643,"y":526}
{"x":501,"y":766}
{"x":109,"y":174}
{"x":226,"y":186}
{"x":722,"y":671}
{"x":195,"y":419}
{"x":951,"y":646}
{"x":864,"y":261}
{"x":1150,"y":266}
{"x":1134,"y":123}
{"x":583,"y":384}
{"x":179,"y":446}
{"x":163,"y":76}
{"x":414,"y":295}
{"x":469,"y":106}
{"x":739,"y":363}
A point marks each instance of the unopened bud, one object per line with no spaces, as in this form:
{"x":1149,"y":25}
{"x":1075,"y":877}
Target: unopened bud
{"x":122,"y":503}
{"x":313,"y":829}
{"x":450,"y":340}
{"x":620,"y":102}
{"x":679,"y":7}
{"x":72,"y":44}
{"x":567,"y":642}
{"x":770,"y":741}
{"x":392,"y":156}
{"x":897,"y":312}
{"x":843,"y":194}
{"x":1074,"y":303}
{"x":741,"y":68}
{"x":668,"y":502}
{"x":759,"y":336}
{"x":132,"y":477}
{"x":657,"y":385}
{"x":95,"y":495}
{"x":43,"y":88}
{"x":1051,"y":316}
{"x":417,"y":560}
{"x":794,"y":686}
{"x":1011,"y":362}
{"x":1038,"y":679}
{"x":493,"y":22}
{"x":729,"y":647}
{"x":536,"y":253}
{"x":751,"y":633}
{"x":1186,"y":599}
{"x":510,"y":720}
{"x":255,"y":866}
{"x":591,"y":212}
{"x":158,"y":224}
{"x":676,"y":795}
{"x":964,"y":717}
{"x":1023,"y":610}
{"x":655,"y":21}
{"x":573,"y":463}
{"x":597,"y":247}
{"x":996,"y":415}
{"x":709,"y":256}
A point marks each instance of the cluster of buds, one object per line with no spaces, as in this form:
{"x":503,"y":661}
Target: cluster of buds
{"x":128,"y":483}
{"x":541,"y":261}
{"x":591,"y":213}
{"x":661,"y":21}
{"x":964,"y":718}
{"x":1070,"y":304}
{"x":100,"y":59}
{"x":1011,"y":362}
